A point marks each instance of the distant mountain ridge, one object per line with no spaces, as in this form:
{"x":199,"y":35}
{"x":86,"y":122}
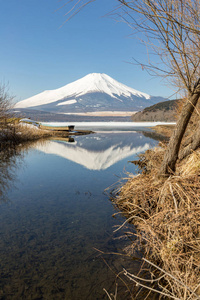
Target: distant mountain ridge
{"x":94,"y":92}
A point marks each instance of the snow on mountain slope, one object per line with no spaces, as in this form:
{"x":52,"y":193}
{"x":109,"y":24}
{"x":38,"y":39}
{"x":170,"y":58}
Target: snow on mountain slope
{"x":94,"y":82}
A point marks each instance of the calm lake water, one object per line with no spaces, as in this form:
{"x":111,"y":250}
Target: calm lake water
{"x":54,"y":215}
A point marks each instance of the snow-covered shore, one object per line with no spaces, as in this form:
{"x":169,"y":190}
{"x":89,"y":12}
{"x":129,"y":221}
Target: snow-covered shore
{"x":107,"y":125}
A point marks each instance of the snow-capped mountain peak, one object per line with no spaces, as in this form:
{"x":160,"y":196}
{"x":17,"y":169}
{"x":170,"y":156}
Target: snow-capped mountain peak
{"x":100,"y":82}
{"x":95,"y":91}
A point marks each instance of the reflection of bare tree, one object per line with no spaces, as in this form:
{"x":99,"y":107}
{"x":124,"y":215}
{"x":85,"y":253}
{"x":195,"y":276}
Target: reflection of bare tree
{"x":8,"y":164}
{"x":10,"y":159}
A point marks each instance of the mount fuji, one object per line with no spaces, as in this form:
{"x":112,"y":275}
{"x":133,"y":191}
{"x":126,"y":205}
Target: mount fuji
{"x":94,"y":92}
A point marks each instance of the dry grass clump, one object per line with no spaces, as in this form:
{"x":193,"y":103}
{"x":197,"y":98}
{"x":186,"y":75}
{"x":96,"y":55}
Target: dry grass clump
{"x":27,"y":133}
{"x":135,"y":197}
{"x":15,"y":134}
{"x":165,"y":130}
{"x":166,"y":213}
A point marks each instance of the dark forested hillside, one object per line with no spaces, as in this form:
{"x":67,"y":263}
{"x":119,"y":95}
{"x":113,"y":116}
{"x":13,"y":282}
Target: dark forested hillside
{"x":163,"y":111}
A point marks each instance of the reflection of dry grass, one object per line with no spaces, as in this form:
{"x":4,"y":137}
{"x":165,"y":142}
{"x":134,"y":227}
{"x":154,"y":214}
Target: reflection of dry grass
{"x":167,"y":216}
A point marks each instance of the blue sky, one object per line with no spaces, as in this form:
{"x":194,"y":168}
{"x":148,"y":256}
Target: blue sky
{"x":38,"y":54}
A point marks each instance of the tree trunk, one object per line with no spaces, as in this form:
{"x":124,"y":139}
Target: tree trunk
{"x":171,"y":155}
{"x":195,"y":143}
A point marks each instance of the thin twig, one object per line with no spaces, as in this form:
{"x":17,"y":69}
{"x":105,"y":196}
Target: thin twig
{"x":170,"y":275}
{"x":149,"y":288}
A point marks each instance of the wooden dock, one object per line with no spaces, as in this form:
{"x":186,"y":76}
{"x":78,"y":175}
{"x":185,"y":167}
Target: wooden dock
{"x":57,"y":128}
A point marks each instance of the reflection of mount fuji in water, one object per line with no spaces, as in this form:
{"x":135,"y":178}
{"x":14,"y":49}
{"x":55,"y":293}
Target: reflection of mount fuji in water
{"x":99,"y":151}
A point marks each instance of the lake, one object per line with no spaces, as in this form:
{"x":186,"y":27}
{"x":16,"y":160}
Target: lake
{"x":56,"y":223}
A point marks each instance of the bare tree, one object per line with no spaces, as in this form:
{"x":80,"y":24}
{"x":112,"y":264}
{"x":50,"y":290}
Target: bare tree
{"x":6,"y":103}
{"x":171,"y":29}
